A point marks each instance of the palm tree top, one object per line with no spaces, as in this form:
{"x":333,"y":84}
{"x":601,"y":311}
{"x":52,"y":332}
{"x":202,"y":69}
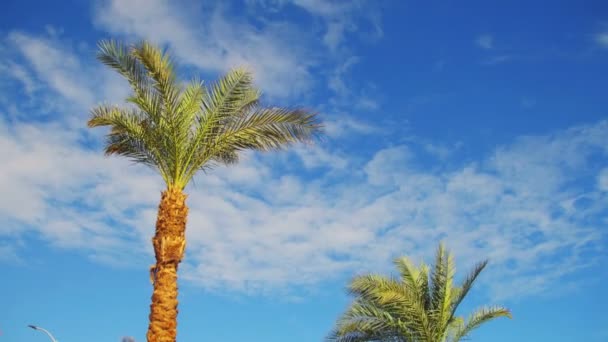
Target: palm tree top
{"x":178,"y":129}
{"x":418,"y":305}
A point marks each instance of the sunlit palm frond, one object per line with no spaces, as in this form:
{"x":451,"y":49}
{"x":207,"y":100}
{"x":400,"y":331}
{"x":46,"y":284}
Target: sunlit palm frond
{"x":438,"y":278}
{"x":440,"y":291}
{"x":180,"y":129}
{"x":408,"y":272}
{"x":262,"y":129}
{"x":466,"y":286}
{"x":415,"y":278}
{"x":394,"y":298}
{"x":266,"y":129}
{"x":118,"y":56}
{"x":160,"y":69}
{"x":129,"y":135}
{"x":381,"y":291}
{"x":415,"y":307}
{"x":190,"y":102}
{"x":230,"y":96}
{"x":366,"y":322}
{"x":423,"y":285}
{"x":478,"y":318}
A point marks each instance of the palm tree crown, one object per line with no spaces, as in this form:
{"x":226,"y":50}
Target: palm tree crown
{"x":179,"y":130}
{"x":416,"y":307}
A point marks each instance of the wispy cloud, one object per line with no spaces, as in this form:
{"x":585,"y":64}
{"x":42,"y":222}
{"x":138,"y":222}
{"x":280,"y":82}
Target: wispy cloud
{"x":602,"y":39}
{"x":528,"y":102}
{"x":340,"y":18}
{"x":57,"y":78}
{"x":54,"y":66}
{"x":602,"y":180}
{"x":326,"y":213}
{"x":497,"y":60}
{"x":341,"y":125}
{"x":517,"y":206}
{"x":336,"y":80}
{"x":441,"y":151}
{"x":211,"y":40}
{"x":348,"y":96}
{"x":485,"y":41}
{"x":214,"y":39}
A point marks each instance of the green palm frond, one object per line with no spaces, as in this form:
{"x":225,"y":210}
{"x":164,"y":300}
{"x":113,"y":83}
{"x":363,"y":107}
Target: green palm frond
{"x":438,"y":278}
{"x":262,"y":129}
{"x":424,"y":287}
{"x":180,"y":130}
{"x":120,"y":58}
{"x":229,"y":98}
{"x":161,"y":71}
{"x":267,"y":129}
{"x":129,"y":136}
{"x":466,"y":286}
{"x":409,"y":273}
{"x":190,"y":101}
{"x":415,"y":307}
{"x":231,"y":94}
{"x":395,"y":298}
{"x":416,"y":279}
{"x":441,"y":292}
{"x":366,"y":322}
{"x":478,"y":318}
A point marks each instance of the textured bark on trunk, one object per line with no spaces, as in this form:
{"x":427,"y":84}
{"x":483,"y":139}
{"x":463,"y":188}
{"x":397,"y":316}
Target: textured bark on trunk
{"x":169,"y":242}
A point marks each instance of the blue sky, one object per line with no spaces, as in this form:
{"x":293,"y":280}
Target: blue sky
{"x":480,"y":124}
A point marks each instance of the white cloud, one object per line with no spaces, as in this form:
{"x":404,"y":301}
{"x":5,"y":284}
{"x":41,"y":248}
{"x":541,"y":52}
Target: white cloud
{"x":8,"y":254}
{"x":602,"y":180}
{"x":21,"y":74}
{"x":284,"y":229}
{"x":528,"y":103}
{"x":317,"y":156}
{"x":53,"y":68}
{"x":343,"y":125}
{"x":335,"y":34}
{"x":441,"y":151}
{"x":266,"y":224}
{"x":497,"y":60}
{"x":340,"y":18}
{"x":52,"y":175}
{"x":485,"y":41}
{"x":348,"y":96}
{"x":56,"y":67}
{"x":336,"y":80}
{"x":395,"y":158}
{"x":367,"y":103}
{"x":212,"y":41}
{"x":602,"y":39}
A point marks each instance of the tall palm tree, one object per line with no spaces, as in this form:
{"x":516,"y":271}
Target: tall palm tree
{"x":415,"y":307}
{"x":178,"y":130}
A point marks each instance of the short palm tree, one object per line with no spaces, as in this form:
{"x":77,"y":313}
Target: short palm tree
{"x":178,"y":130}
{"x":415,"y":307}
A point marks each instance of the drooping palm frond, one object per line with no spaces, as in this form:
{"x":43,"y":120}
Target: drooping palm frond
{"x":161,"y":72}
{"x":466,"y":286}
{"x":415,"y":307}
{"x":180,"y":130}
{"x":260,"y":129}
{"x":478,"y":318}
{"x":365,"y":322}
{"x":128,"y":135}
{"x":120,"y":58}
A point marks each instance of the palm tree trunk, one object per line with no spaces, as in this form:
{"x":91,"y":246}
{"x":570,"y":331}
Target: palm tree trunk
{"x":169,"y":243}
